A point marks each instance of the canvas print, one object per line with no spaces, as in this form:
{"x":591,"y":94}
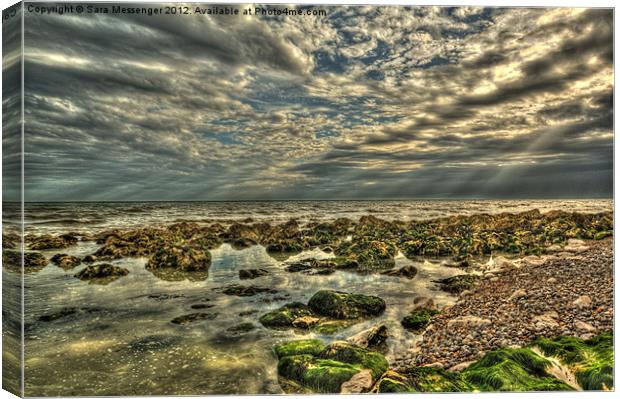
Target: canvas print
{"x":204,"y":199}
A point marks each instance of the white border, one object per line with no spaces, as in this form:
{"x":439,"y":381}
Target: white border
{"x":497,"y":3}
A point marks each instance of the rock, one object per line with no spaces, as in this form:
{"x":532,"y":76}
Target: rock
{"x":458,"y":284}
{"x":461,"y":366}
{"x":343,"y":305}
{"x":584,"y":327}
{"x":372,"y":339}
{"x":498,"y":264}
{"x":409,"y":272}
{"x":192,"y":317}
{"x":575,"y":246}
{"x":34,"y":262}
{"x":252,"y":273}
{"x":313,"y":366}
{"x":65,"y":261}
{"x":52,"y":242}
{"x":89,"y":259}
{"x":103,"y":273}
{"x":422,"y":302}
{"x":184,"y":258}
{"x":198,"y":306}
{"x":553,"y":248}
{"x":305,"y":322}
{"x":393,"y":382}
{"x":359,"y":383}
{"x":284,"y":316}
{"x":470,"y":322}
{"x":312,"y":347}
{"x":59,"y":314}
{"x":418,"y":319}
{"x":370,"y":255}
{"x":546,"y":320}
{"x":552,"y":280}
{"x":603,"y":234}
{"x":583,"y":302}
{"x":241,"y":243}
{"x":520,"y":293}
{"x":241,"y":328}
{"x":242,"y":290}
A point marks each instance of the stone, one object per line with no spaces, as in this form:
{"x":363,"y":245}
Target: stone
{"x":359,"y":383}
{"x":252,"y":273}
{"x":103,"y":273}
{"x":186,"y":258}
{"x":584,"y":327}
{"x":423,"y":302}
{"x":242,"y":290}
{"x":546,"y":320}
{"x":520,"y":293}
{"x":192,"y":317}
{"x":52,"y":242}
{"x":305,"y":322}
{"x":372,"y":338}
{"x":408,"y":271}
{"x":344,"y":305}
{"x":65,"y":261}
{"x":461,"y":366}
{"x":583,"y":302}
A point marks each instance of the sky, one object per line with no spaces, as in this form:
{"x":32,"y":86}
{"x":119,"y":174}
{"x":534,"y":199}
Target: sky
{"x":364,"y":103}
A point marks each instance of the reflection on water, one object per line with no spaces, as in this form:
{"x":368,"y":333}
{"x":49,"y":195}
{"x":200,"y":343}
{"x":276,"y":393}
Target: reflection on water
{"x":119,"y":338}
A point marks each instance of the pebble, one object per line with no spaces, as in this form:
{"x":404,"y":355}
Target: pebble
{"x":556,"y":291}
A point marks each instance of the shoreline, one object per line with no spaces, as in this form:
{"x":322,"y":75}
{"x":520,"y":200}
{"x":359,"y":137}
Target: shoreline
{"x":566,"y":295}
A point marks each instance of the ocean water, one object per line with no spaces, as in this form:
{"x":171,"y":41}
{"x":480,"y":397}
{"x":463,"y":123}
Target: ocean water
{"x":93,"y":216}
{"x":120,"y":340}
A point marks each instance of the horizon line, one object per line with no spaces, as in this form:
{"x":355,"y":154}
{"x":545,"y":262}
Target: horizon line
{"x":322,"y":200}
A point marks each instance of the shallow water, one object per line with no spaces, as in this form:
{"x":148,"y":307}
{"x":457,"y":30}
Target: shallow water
{"x":122,"y":340}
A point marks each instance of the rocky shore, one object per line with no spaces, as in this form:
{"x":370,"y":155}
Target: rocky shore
{"x":569,"y":294}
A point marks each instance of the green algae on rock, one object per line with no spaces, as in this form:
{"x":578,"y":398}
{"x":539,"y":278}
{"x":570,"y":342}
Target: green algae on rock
{"x":103,"y":273}
{"x":327,"y":312}
{"x":418,"y":319}
{"x":513,"y":369}
{"x":325,"y":369}
{"x":34,"y":262}
{"x":517,"y":369}
{"x":458,"y":284}
{"x":343,"y":305}
{"x":591,"y":360}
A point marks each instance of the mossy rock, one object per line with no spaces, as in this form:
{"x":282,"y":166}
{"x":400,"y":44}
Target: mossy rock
{"x":603,"y":234}
{"x":302,"y":347}
{"x":331,"y":327}
{"x":418,"y":319}
{"x":393,"y":382}
{"x":34,"y":262}
{"x":458,"y":284}
{"x":347,"y":353}
{"x":320,"y":375}
{"x":102,"y":273}
{"x":343,"y":305}
{"x":430,"y":379}
{"x":324,"y":369}
{"x":591,"y":360}
{"x":180,"y":257}
{"x":283,"y":317}
{"x":513,"y":369}
{"x":368,"y":254}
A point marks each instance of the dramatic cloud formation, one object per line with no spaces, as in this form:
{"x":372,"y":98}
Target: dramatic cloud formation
{"x":366,"y":102}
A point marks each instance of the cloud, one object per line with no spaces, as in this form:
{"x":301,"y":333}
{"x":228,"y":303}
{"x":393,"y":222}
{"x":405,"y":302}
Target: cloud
{"x":381,"y":102}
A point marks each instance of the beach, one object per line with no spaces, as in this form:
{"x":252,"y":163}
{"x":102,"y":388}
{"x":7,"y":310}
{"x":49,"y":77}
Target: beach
{"x":239,"y":299}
